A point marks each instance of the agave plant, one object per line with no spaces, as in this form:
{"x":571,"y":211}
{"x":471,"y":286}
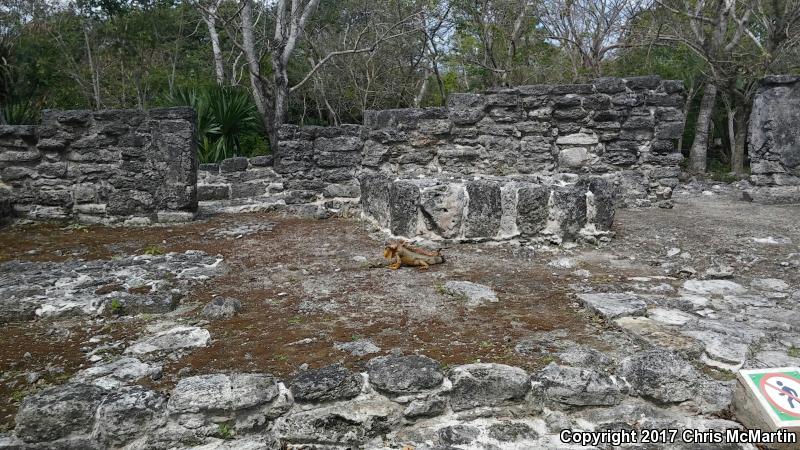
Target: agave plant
{"x":20,"y":113}
{"x":223,"y":115}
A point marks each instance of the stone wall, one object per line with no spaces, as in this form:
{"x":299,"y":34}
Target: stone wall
{"x":774,"y":141}
{"x":626,"y":129}
{"x":102,"y":166}
{"x":320,"y":164}
{"x":491,"y":208}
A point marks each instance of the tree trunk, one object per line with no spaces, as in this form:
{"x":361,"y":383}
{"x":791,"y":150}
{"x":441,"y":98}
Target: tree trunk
{"x":737,"y":159}
{"x":260,"y":92}
{"x":93,"y":69}
{"x":697,"y":155}
{"x":423,"y":89}
{"x":280,"y":96}
{"x":686,"y":105}
{"x":219,"y":69}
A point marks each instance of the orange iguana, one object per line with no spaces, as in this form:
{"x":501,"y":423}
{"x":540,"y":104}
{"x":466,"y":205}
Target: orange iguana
{"x":402,"y":253}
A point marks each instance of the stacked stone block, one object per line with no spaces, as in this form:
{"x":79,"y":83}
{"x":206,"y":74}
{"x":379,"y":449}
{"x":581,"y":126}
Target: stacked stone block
{"x":625,"y":128}
{"x":774,"y":141}
{"x":319,"y":164}
{"x":490,"y":208}
{"x":102,"y":166}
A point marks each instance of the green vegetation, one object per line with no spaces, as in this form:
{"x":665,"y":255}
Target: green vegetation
{"x":116,"y":306}
{"x":225,"y":117}
{"x":153,"y":250}
{"x":102,"y":54}
{"x":225,"y":431}
{"x":794,"y":352}
{"x":296,"y":320}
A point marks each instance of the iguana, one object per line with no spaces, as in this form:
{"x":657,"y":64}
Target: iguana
{"x":402,"y":253}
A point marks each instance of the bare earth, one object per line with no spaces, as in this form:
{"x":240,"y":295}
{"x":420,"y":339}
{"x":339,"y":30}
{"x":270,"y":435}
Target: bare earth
{"x":306,"y":285}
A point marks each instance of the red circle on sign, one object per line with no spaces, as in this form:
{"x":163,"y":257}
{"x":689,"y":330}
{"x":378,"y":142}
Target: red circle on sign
{"x":763,"y":385}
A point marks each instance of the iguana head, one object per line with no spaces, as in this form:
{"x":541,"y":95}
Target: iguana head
{"x":390,"y":250}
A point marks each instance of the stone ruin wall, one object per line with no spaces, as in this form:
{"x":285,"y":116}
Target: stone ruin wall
{"x":140,"y":167}
{"x":623,"y":129}
{"x":108,"y":166}
{"x":774,"y":141}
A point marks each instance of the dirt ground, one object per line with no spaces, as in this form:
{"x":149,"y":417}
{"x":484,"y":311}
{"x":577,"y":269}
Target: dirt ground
{"x":306,"y":285}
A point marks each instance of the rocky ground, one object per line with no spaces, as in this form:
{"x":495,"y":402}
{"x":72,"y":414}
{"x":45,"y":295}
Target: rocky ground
{"x":257,"y":331}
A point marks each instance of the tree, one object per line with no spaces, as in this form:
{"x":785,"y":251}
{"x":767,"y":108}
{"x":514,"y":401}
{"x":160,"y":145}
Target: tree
{"x":289,"y":21}
{"x":590,"y":31}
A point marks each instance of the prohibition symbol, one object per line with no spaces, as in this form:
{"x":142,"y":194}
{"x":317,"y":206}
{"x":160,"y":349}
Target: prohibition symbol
{"x":782,"y":391}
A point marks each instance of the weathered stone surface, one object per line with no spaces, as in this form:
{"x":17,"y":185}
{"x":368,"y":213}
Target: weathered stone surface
{"x":484,"y":209}
{"x":475,"y":294}
{"x":612,"y":306}
{"x":178,"y":338}
{"x":661,"y":376}
{"x":140,"y":162}
{"x":58,"y":412}
{"x":351,"y":424}
{"x":330,"y":383}
{"x":443,"y":207}
{"x":774,"y":139}
{"x":477,"y":385}
{"x":116,"y":373}
{"x":403,"y":201}
{"x":360,"y":347}
{"x":575,"y":386}
{"x":126,"y":285}
{"x":128,"y":413}
{"x":532,"y":209}
{"x":222,"y":308}
{"x":401,"y":375}
{"x":249,"y":400}
{"x":429,"y":406}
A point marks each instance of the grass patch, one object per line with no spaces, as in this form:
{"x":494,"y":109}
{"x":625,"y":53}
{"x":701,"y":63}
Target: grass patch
{"x":153,"y":250}
{"x":794,"y":352}
{"x":296,"y":320}
{"x":225,"y":431}
{"x":116,"y":306}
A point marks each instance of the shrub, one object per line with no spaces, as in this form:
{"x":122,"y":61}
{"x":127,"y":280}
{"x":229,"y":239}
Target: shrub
{"x":225,"y":115}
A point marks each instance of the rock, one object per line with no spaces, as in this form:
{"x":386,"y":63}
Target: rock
{"x":719,"y":272}
{"x":579,"y":356}
{"x":713,"y":287}
{"x":330,"y":383}
{"x":659,"y":335}
{"x":359,"y":347}
{"x":401,"y":375}
{"x":248,"y":400}
{"x":222,"y":308}
{"x":268,"y":442}
{"x":127,"y":413}
{"x":661,"y":376}
{"x":58,"y":412}
{"x":563,"y":263}
{"x":769,"y":284}
{"x":576,"y":386}
{"x":430,"y":406}
{"x":479,"y":385}
{"x":13,"y":310}
{"x":342,"y":424}
{"x":721,"y":351}
{"x":458,"y":434}
{"x":512,"y":432}
{"x":670,"y":316}
{"x":174,"y":339}
{"x":117,"y":373}
{"x":484,"y":209}
{"x":237,"y":164}
{"x":612,"y":306}
{"x":474,"y":293}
